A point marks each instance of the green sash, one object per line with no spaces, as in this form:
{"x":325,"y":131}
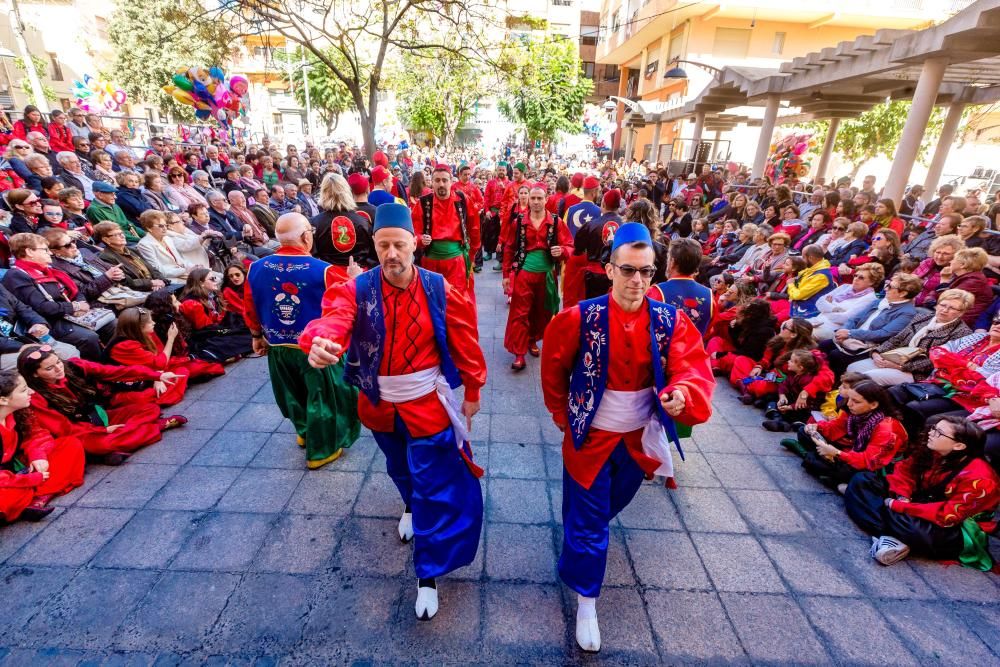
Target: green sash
{"x":448,"y":250}
{"x":540,"y":261}
{"x":975,"y":548}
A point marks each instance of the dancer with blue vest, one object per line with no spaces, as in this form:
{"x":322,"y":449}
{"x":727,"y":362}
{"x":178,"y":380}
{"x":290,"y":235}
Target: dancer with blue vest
{"x":410,"y":339}
{"x":681,"y":290}
{"x":282,"y":295}
{"x":616,"y":404}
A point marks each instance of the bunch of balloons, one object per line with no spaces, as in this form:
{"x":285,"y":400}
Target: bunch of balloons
{"x":210,"y":93}
{"x":95,"y":95}
{"x":788,"y":159}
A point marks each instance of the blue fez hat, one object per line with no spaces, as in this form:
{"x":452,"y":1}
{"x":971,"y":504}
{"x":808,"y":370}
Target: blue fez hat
{"x":393,"y":215}
{"x":631,"y":232}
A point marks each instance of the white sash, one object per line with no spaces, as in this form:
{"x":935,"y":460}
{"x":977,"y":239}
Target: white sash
{"x":409,"y":387}
{"x":625,"y":411}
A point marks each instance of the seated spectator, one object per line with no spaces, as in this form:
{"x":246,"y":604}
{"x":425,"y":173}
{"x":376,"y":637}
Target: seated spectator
{"x":201,"y":182}
{"x":92,"y":276}
{"x":758,"y":247}
{"x":220,"y":250}
{"x":306,"y":199}
{"x":179,"y":192}
{"x":153,"y":191}
{"x":34,"y":467}
{"x":973,"y":231}
{"x":967,"y":274}
{"x":16,"y":317}
{"x":233,"y":281}
{"x":868,"y":436}
{"x":756,"y":380}
{"x":213,"y":164}
{"x":265,"y":216}
{"x":31,"y":122}
{"x":164,"y":309}
{"x":216,"y":334}
{"x":769,"y":269}
{"x":130,"y":197}
{"x":918,"y":248}
{"x":942,"y":252}
{"x":51,"y":187}
{"x":103,"y":167}
{"x":52,"y":215}
{"x":925,"y":331}
{"x":253,"y":233}
{"x":819,"y":227}
{"x":790,"y":223}
{"x":105,"y":208}
{"x":60,"y":137}
{"x":76,"y":397}
{"x":884,"y":250}
{"x":12,"y":169}
{"x":138,"y":275}
{"x":929,"y":502}
{"x":26,"y":209}
{"x":746,"y":335}
{"x":279,"y":203}
{"x":157,"y":249}
{"x":810,"y":284}
{"x":73,"y":206}
{"x":803,"y":390}
{"x":838,"y":306}
{"x":232,"y":181}
{"x":190,"y":247}
{"x":221,"y":219}
{"x":40,"y":168}
{"x":887,"y":218}
{"x":852,"y":246}
{"x":73,"y":175}
{"x":52,"y":294}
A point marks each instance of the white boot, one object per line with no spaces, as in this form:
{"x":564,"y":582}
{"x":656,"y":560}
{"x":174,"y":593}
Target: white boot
{"x":588,"y":632}
{"x":427,"y":602}
{"x":406,"y":527}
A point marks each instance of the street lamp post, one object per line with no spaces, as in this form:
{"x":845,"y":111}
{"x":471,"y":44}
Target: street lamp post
{"x":305,"y":83}
{"x":29,"y":65}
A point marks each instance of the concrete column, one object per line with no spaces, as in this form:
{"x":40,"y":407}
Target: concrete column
{"x":715,"y":145}
{"x":766,"y":130}
{"x":947,"y":138}
{"x":699,"y":127}
{"x":824,"y":158}
{"x":913,"y":131}
{"x":629,"y":143}
{"x":654,"y":148}
{"x":616,"y":143}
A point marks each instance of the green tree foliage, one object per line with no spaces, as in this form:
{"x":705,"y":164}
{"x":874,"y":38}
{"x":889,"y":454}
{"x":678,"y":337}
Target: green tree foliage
{"x":438,"y":93}
{"x":876,"y":133}
{"x":328,"y":95}
{"x":154,"y":38}
{"x":545,"y":89}
{"x":41,"y":67}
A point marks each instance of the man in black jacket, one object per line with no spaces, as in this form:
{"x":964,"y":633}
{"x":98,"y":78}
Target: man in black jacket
{"x":14,"y":316}
{"x":221,"y":219}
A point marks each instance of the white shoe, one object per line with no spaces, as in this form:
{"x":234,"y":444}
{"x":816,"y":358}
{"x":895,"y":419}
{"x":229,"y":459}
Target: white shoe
{"x":406,"y":527}
{"x":427,"y":603}
{"x":876,"y":543}
{"x":890,"y":550}
{"x":588,"y":634}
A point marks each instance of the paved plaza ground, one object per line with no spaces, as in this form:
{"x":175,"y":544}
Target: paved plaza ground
{"x":217,"y":546}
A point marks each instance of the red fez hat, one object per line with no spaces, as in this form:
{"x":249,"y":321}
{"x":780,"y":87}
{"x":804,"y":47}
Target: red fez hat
{"x":577,"y":180}
{"x":441,"y":166}
{"x":358,"y":183}
{"x":379,"y":175}
{"x":380,"y":159}
{"x":612,"y":199}
{"x":591,"y":183}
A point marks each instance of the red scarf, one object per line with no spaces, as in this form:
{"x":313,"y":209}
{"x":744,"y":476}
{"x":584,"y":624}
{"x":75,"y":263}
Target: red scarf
{"x":46,"y":274}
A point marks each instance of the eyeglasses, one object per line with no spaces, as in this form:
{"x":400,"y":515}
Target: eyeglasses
{"x":628,"y":271}
{"x":31,"y":202}
{"x":945,"y":306}
{"x":934,"y":430}
{"x":43,"y":248}
{"x":878,"y":238}
{"x":895,"y":287}
{"x":839,"y":229}
{"x":84,"y":144}
{"x":42,"y":351}
{"x":53,"y":214}
{"x":22,"y":148}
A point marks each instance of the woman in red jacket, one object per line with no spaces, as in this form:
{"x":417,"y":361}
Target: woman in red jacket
{"x":931,"y":502}
{"x":32,"y":122}
{"x":60,"y":136}
{"x":77,"y":398}
{"x":216,"y":334}
{"x":33,"y":466}
{"x":868,"y":436}
{"x":232,"y":289}
{"x":757,"y":379}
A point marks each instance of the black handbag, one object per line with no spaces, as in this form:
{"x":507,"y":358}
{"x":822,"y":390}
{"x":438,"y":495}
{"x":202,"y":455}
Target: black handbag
{"x":923,"y":391}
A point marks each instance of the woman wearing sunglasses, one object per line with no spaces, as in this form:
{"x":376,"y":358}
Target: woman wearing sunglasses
{"x":84,"y":399}
{"x":34,"y":467}
{"x":26,"y":207}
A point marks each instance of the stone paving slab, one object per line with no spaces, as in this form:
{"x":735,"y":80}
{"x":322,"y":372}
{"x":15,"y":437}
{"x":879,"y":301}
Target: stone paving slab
{"x":217,"y":547}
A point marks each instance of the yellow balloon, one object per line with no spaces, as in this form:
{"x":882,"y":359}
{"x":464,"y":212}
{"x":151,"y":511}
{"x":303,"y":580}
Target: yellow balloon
{"x":182,"y":96}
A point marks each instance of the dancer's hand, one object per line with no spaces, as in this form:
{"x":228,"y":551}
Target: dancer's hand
{"x":469,"y":409}
{"x":40,"y":465}
{"x":674,"y":403}
{"x":353,"y":270}
{"x":169,"y":378}
{"x":324,"y":352}
{"x":260,"y":346}
{"x":556,"y":251}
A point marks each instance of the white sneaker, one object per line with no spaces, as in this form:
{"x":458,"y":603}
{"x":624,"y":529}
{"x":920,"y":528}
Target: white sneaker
{"x":406,"y":527}
{"x":891,"y":551}
{"x":427,"y":603}
{"x":588,"y":633}
{"x":876,"y":543}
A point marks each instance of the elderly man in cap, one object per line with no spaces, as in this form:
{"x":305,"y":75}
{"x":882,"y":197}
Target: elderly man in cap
{"x":104,"y":208}
{"x":305,"y":197}
{"x":534,"y":245}
{"x":410,"y":340}
{"x":616,"y":372}
{"x":283,"y":293}
{"x":448,"y":232}
{"x":576,"y":217}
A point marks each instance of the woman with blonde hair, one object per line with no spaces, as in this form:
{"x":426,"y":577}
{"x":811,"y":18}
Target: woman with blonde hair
{"x":342,"y":234}
{"x":967,"y":274}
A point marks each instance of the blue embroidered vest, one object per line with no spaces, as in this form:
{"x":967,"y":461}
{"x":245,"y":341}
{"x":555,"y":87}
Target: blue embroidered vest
{"x":364,"y":356}
{"x":807,"y":307}
{"x":691,"y":297}
{"x":287,"y":294}
{"x":590,"y":374}
{"x":580,"y":214}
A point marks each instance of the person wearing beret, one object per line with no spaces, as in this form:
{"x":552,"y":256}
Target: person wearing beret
{"x":617,"y":371}
{"x":410,"y":340}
